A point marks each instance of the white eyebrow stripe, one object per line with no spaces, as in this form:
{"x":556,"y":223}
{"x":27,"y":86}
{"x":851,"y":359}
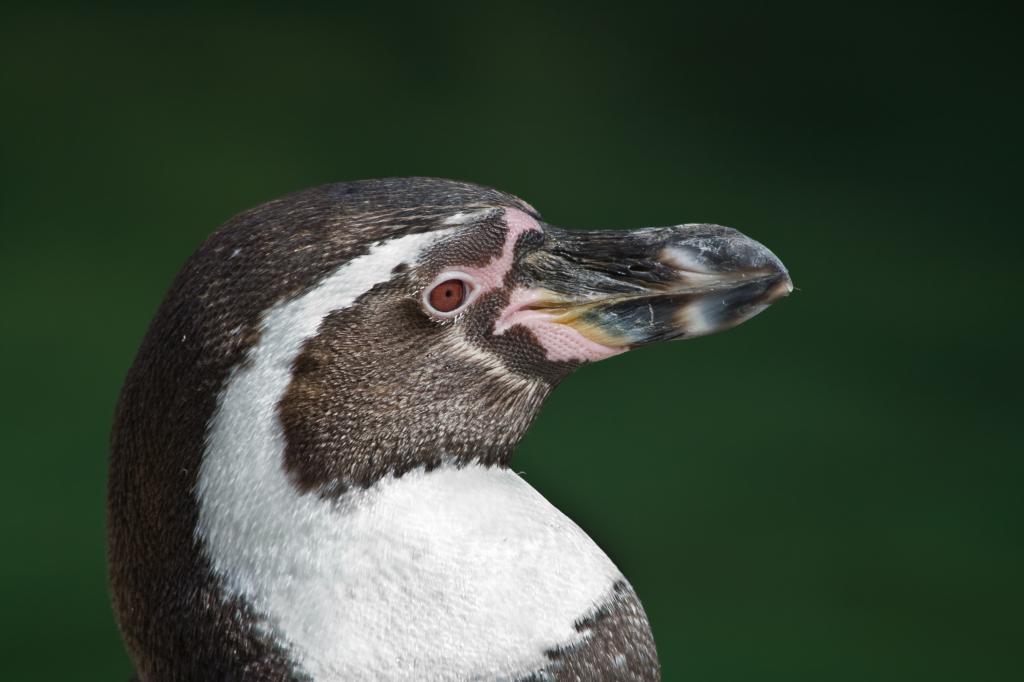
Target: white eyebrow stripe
{"x":245,"y":499}
{"x":463,"y":217}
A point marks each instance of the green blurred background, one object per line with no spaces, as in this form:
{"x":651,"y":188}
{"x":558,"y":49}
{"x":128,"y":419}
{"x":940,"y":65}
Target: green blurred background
{"x":830,"y":492}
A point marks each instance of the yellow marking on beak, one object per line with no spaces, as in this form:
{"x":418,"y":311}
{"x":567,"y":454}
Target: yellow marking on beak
{"x":572,"y":315}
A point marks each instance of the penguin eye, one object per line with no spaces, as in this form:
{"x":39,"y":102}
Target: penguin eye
{"x":448,"y":295}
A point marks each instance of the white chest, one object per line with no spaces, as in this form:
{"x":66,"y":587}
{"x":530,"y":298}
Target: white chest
{"x":454,"y":574}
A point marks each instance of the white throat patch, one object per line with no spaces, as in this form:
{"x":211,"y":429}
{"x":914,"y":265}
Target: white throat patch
{"x":459,"y":573}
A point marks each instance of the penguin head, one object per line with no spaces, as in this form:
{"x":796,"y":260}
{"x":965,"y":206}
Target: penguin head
{"x":474,"y":312}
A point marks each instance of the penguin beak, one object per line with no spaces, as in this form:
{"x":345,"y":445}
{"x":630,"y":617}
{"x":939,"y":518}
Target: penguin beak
{"x":623,"y":289}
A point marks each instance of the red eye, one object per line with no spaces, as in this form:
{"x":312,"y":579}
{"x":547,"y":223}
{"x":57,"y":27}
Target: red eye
{"x":448,"y":295}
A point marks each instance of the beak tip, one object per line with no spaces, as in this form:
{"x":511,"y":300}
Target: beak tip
{"x":782,"y":288}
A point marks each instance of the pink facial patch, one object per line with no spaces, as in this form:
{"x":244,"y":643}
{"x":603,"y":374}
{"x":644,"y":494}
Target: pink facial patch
{"x":492,"y":275}
{"x":561,"y":342}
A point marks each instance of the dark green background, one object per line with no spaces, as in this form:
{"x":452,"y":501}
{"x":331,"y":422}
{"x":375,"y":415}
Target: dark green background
{"x":830,"y":492}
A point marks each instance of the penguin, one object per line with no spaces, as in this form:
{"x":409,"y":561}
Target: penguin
{"x":309,"y":471}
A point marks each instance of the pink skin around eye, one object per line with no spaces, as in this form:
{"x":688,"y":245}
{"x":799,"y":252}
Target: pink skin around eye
{"x":560,"y":342}
{"x":492,"y":275}
{"x":482,"y":279}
